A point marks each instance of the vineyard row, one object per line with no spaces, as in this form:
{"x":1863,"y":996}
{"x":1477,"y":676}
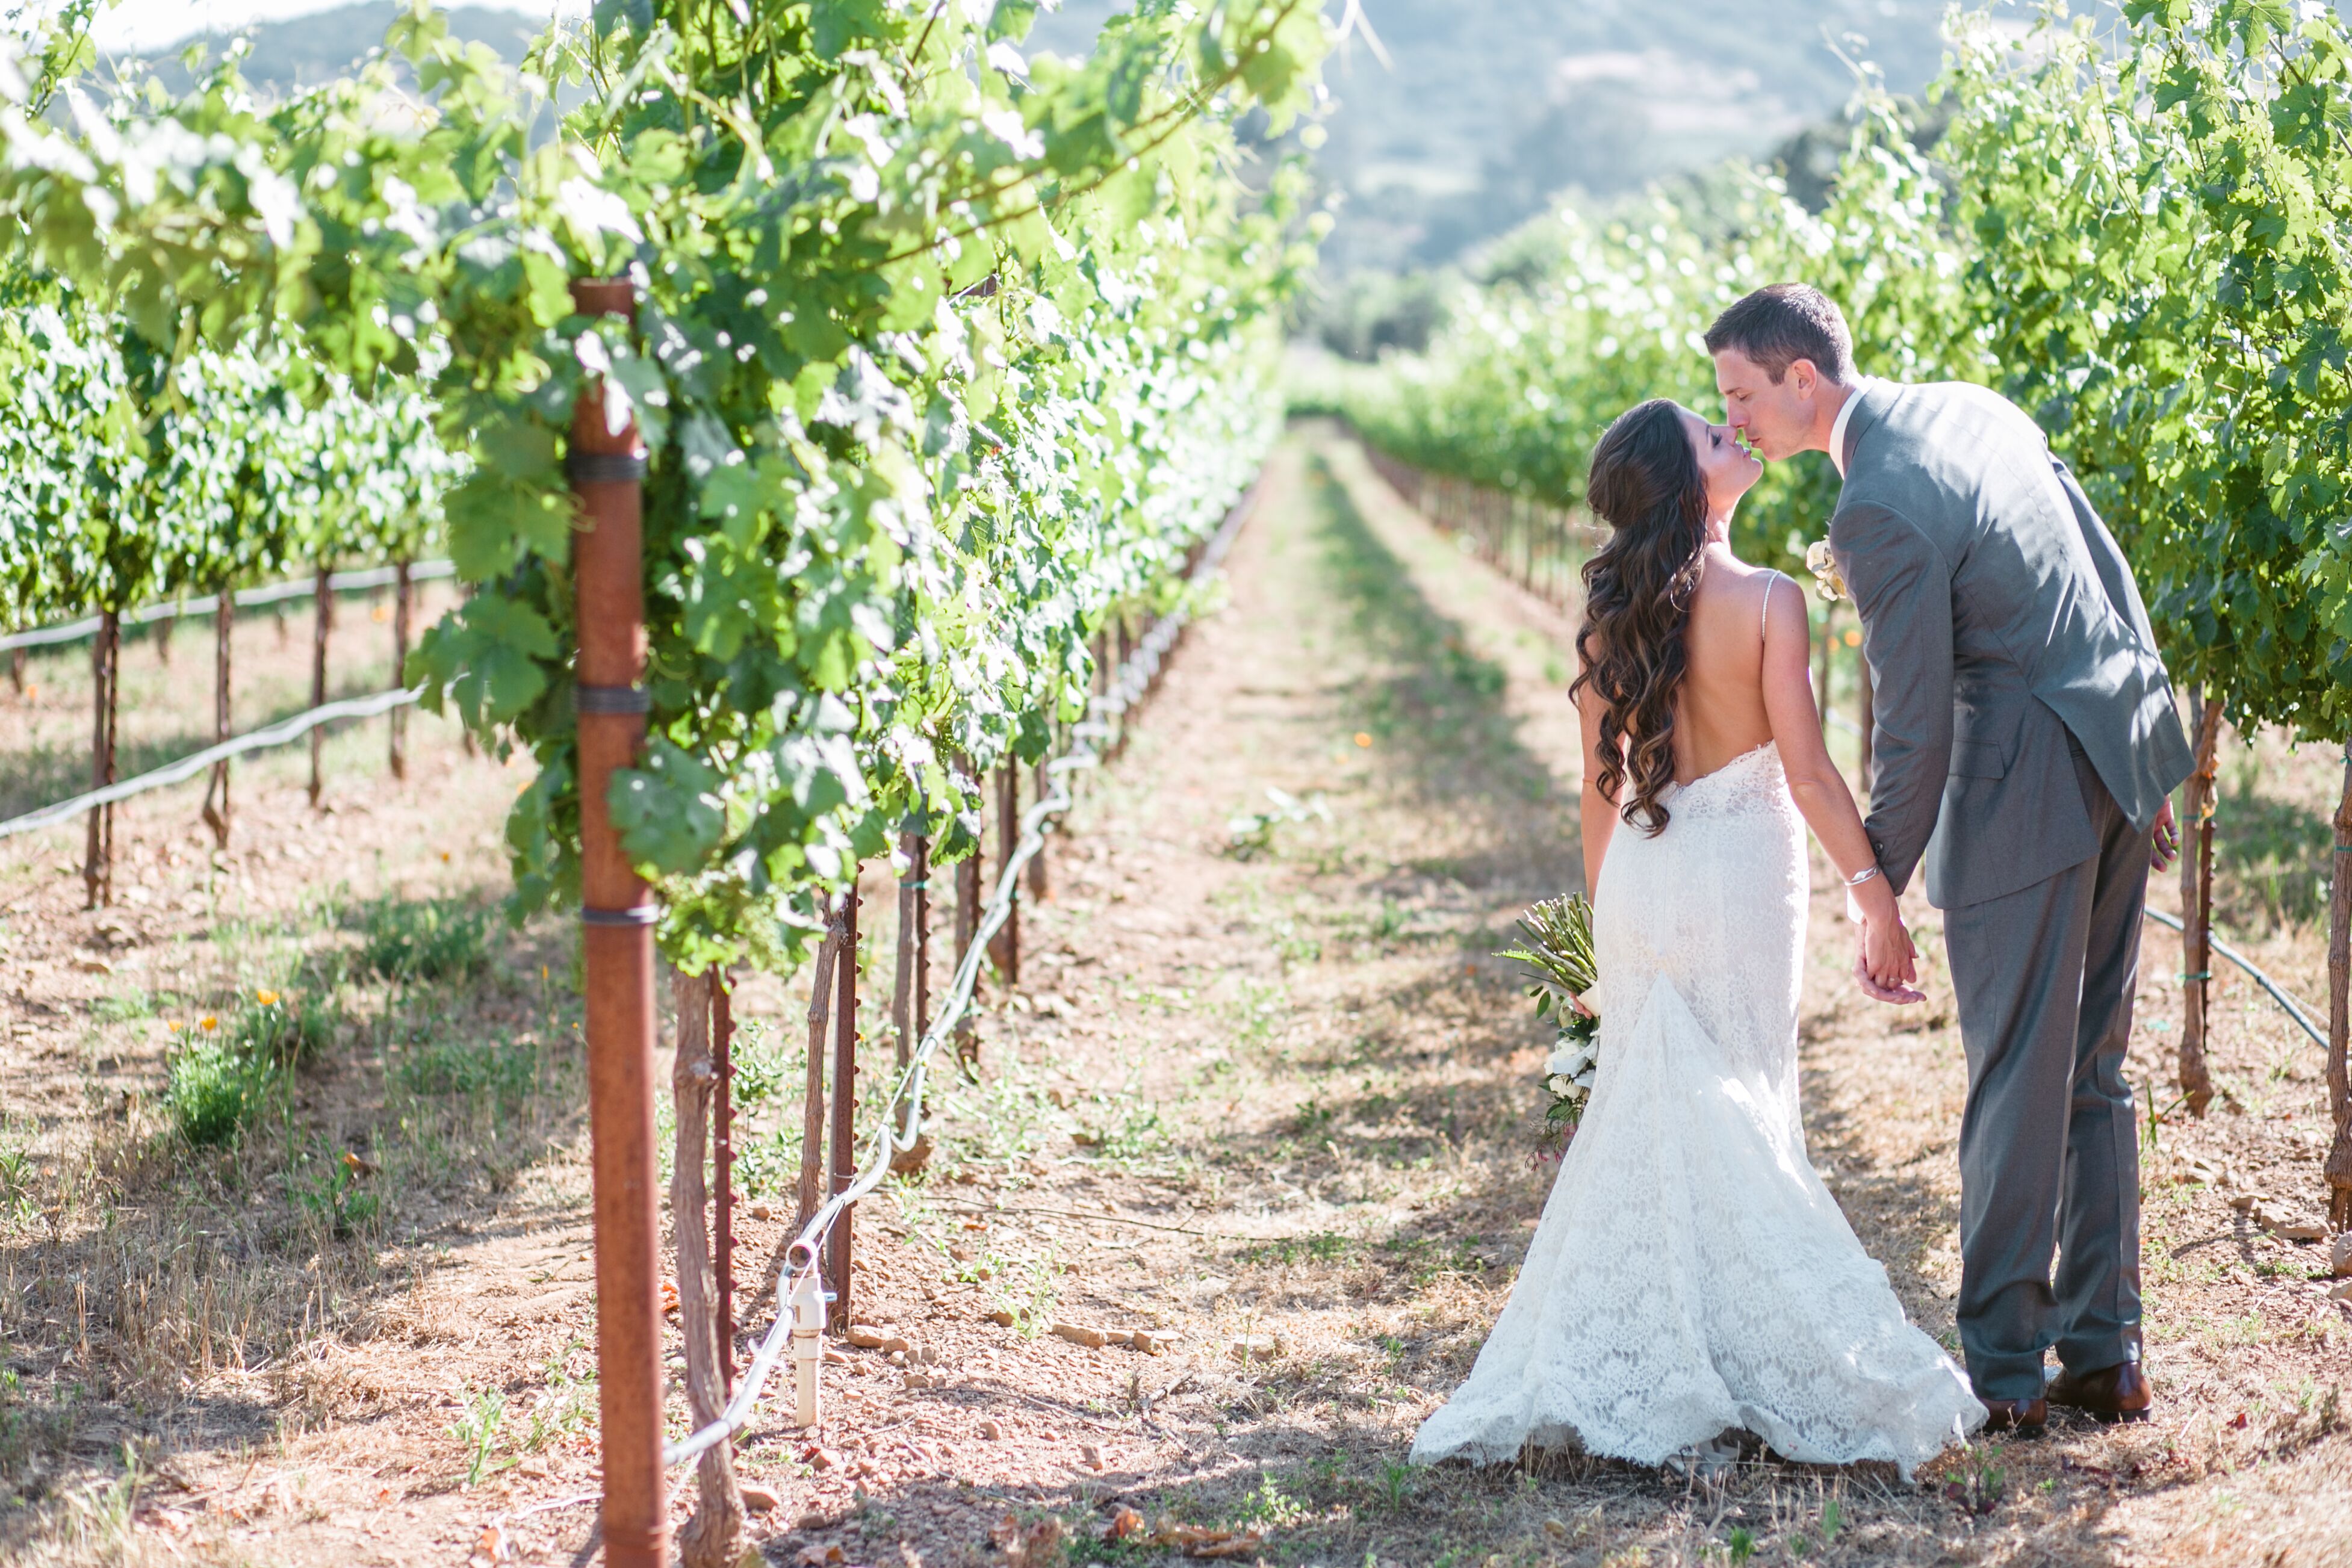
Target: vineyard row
{"x":2143,"y":237}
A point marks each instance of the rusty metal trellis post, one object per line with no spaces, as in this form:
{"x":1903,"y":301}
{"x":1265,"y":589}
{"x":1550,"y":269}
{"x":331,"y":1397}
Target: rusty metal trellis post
{"x":617,"y":916}
{"x":723,"y":1160}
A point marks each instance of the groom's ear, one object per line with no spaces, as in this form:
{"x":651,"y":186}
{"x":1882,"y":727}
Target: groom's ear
{"x":1803,"y":378}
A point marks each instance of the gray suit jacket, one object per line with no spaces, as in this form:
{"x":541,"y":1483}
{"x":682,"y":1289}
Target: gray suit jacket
{"x":1998,"y":617}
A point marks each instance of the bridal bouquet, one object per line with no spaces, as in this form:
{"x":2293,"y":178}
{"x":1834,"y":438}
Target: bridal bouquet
{"x":1557,"y":957}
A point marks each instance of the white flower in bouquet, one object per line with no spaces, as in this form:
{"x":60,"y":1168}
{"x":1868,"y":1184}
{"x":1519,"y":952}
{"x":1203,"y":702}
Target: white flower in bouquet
{"x":1557,"y":956}
{"x":1573,"y":1066}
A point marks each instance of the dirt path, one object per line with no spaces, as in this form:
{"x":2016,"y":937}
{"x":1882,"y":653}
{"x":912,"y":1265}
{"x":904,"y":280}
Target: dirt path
{"x":1266,"y":1095}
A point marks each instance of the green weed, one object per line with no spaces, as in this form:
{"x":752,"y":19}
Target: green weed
{"x":213,"y":1091}
{"x":277,"y":1028}
{"x":425,"y":939}
{"x":503,"y":1073}
{"x":567,"y":1404}
{"x":127,"y":1006}
{"x":486,"y":1412}
{"x":761,"y":1066}
{"x":17,"y":1174}
{"x":327,"y":1185}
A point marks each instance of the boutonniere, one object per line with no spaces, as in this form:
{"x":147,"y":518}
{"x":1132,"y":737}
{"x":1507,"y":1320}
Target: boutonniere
{"x":1823,"y":566}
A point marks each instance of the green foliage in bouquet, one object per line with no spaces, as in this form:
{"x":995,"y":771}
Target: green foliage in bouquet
{"x":1557,"y":957}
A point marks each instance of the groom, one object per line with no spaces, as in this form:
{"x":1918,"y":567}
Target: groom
{"x":2025,"y":744}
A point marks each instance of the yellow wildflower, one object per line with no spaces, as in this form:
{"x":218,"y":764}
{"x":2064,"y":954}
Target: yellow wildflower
{"x":267,"y":999}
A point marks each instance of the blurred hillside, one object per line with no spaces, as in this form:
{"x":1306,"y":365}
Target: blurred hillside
{"x":1492,"y":105}
{"x":320,"y":48}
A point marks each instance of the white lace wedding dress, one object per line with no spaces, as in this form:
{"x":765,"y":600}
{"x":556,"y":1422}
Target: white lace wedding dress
{"x":1691,"y":1274}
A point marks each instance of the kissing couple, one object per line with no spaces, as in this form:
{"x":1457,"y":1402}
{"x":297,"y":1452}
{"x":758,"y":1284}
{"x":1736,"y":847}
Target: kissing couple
{"x":1691,"y":1279}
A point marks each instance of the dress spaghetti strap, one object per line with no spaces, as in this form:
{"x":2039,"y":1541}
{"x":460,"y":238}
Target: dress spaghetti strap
{"x":1776,"y":574}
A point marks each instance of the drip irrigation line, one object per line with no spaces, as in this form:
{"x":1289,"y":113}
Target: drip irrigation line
{"x":246,"y":599}
{"x":277,"y":733}
{"x":1118,"y":1219}
{"x":901,"y":1122}
{"x":2293,"y":1009}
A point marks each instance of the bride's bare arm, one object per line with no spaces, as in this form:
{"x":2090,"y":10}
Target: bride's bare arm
{"x":1819,"y":789}
{"x":1596,"y":814}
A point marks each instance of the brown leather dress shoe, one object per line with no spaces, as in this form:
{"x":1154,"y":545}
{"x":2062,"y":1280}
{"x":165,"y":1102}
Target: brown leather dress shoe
{"x":2026,"y":1417}
{"x":2111,"y":1394}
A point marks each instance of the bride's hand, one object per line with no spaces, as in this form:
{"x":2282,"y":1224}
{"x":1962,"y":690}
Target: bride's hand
{"x":1887,"y":967}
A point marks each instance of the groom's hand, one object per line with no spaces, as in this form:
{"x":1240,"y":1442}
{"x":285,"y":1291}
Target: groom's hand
{"x":1898,"y":994}
{"x":2165,"y":846}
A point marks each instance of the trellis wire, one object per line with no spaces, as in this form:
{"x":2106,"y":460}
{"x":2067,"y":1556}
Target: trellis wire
{"x":901,"y":1122}
{"x":246,"y":598}
{"x":188,"y":767}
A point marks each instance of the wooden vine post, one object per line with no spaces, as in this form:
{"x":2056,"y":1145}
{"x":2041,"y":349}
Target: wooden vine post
{"x":616,"y":918}
{"x":810,"y":1189}
{"x":922,"y":933}
{"x":2338,"y":1168}
{"x":844,"y":1108}
{"x":323,"y":624}
{"x":713,"y":1538}
{"x":967,"y":924}
{"x":106,"y":674}
{"x":902,"y":989}
{"x":404,"y":595}
{"x":1004,"y":947}
{"x":911,"y":997}
{"x":216,"y":812}
{"x":2197,"y":908}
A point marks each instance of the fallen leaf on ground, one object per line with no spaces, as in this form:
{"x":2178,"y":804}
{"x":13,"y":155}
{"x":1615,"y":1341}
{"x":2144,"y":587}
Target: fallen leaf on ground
{"x":1200,"y":1541}
{"x":1034,"y":1545}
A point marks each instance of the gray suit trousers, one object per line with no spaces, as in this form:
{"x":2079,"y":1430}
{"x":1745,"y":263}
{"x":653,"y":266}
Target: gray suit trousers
{"x":2049,"y":1151}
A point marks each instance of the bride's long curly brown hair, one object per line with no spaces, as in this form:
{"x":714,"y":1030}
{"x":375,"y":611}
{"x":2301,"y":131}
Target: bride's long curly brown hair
{"x":1645,"y":484}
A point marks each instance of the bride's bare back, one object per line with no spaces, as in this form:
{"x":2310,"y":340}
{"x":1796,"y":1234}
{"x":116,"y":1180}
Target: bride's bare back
{"x":1721,"y":714}
{"x":1747,"y":676}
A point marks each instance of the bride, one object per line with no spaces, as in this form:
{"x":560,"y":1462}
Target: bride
{"x":1692,"y":1277}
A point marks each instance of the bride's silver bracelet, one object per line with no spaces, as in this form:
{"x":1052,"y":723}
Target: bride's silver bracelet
{"x":1858,"y":878}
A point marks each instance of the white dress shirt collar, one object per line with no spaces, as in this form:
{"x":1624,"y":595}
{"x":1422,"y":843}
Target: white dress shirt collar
{"x":1846,"y":417}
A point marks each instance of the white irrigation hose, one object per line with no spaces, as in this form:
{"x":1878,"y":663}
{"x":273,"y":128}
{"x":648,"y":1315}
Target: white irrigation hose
{"x":901,"y":1123}
{"x":277,"y":733}
{"x":246,"y":599}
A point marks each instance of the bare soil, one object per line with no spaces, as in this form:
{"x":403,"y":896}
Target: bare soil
{"x":1264,"y":1093}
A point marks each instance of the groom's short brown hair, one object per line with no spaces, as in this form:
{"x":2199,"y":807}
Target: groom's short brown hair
{"x":1784,"y":322}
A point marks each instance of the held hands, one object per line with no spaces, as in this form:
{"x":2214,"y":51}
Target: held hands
{"x":1886,"y":966}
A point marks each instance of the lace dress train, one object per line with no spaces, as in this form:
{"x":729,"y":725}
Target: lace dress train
{"x":1691,"y":1274}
